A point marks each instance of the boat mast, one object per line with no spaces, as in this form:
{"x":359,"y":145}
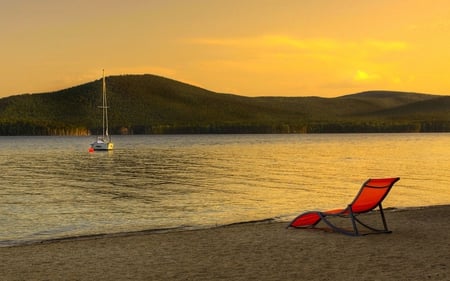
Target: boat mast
{"x":105,"y":109}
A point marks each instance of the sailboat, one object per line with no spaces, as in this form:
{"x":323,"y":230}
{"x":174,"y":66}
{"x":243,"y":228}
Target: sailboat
{"x":104,"y":141}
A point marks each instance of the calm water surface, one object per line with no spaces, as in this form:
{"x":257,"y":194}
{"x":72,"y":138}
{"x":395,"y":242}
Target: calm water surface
{"x":52,"y":187}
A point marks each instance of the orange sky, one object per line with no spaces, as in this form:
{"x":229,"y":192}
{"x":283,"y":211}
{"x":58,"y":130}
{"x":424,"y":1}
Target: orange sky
{"x":248,"y":47}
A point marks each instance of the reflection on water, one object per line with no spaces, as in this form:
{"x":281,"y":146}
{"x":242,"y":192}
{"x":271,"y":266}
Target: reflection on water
{"x":52,"y":187}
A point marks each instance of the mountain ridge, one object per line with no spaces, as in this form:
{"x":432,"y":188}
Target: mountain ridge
{"x":148,"y":104}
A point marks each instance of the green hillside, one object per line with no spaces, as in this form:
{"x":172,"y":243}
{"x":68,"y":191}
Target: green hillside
{"x":148,"y":104}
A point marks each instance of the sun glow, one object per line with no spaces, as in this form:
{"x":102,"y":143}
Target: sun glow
{"x":364,"y":76}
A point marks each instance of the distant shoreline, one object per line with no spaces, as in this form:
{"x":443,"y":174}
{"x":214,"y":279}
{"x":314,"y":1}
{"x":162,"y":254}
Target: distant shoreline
{"x":240,"y":131}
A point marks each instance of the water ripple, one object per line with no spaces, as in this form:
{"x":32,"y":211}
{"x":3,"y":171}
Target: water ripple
{"x":52,"y":187}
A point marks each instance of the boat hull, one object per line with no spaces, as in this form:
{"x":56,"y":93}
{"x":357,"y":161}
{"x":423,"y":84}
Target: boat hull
{"x":99,"y":146}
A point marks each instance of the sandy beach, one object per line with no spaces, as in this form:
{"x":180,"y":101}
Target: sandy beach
{"x":416,"y":250}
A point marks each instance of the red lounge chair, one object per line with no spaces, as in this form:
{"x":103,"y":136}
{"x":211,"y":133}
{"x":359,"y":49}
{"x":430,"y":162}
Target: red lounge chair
{"x":370,"y":196}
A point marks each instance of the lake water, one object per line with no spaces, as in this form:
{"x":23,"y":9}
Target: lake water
{"x":52,"y":187}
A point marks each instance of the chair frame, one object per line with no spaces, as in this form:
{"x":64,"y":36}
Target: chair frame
{"x":348,"y":212}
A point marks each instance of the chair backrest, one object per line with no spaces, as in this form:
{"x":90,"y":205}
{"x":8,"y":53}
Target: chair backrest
{"x":371,"y":194}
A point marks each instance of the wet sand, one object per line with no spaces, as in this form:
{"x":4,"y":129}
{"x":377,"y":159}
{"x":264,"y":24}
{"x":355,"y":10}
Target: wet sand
{"x":417,"y":249}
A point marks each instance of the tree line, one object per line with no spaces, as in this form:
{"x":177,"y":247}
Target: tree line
{"x":22,"y":128}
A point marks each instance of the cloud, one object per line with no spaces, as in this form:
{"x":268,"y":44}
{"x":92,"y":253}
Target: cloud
{"x":291,"y":52}
{"x":285,"y":41}
{"x":386,"y":45}
{"x":306,"y":63}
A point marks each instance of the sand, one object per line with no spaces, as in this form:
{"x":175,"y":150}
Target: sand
{"x":418,"y":249}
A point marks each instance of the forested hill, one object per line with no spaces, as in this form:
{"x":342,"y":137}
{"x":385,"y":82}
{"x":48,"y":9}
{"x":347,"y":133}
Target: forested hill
{"x":148,"y":104}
